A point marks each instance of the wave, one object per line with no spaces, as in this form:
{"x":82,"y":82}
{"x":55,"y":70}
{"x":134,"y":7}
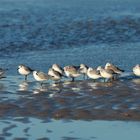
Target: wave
{"x":27,"y":31}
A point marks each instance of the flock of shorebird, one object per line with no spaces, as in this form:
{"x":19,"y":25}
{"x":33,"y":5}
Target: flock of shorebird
{"x":55,"y":73}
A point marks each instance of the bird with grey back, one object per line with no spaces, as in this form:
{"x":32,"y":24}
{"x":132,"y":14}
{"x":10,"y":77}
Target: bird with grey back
{"x":93,"y":74}
{"x":54,"y":75}
{"x":40,"y":76}
{"x":72,"y":71}
{"x":24,"y":70}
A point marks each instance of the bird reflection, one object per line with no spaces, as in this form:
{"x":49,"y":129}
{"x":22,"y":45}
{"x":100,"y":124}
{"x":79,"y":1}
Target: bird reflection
{"x":96,"y":85}
{"x":136,"y":81}
{"x":23,"y":86}
{"x":40,"y":89}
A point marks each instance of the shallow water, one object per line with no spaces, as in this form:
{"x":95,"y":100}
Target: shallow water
{"x":69,"y":110}
{"x":40,"y":33}
{"x":82,"y":99}
{"x":24,"y":128}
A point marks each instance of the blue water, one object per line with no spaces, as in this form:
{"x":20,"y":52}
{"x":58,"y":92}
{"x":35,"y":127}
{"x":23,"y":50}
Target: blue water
{"x":21,"y":128}
{"x":39,"y":33}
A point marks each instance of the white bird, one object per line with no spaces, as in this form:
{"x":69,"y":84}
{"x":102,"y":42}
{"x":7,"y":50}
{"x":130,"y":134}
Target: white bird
{"x":83,"y":69}
{"x":107,"y":74}
{"x":54,"y":75}
{"x":24,"y":70}
{"x":114,"y":68}
{"x":40,"y":76}
{"x":72,"y":71}
{"x":57,"y":68}
{"x":136,"y":70}
{"x":93,"y":74}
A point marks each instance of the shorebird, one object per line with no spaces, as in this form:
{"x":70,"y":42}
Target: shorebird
{"x":93,"y":74}
{"x":40,"y":76}
{"x":24,"y":70}
{"x":72,"y":71}
{"x":114,"y":68}
{"x":57,"y":68}
{"x":106,"y":74}
{"x":54,"y":75}
{"x":83,"y":69}
{"x":136,"y":70}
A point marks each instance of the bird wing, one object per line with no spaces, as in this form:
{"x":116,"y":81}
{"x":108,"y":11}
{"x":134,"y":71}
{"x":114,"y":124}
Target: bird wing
{"x":28,"y":69}
{"x":120,"y":69}
{"x":115,"y":68}
{"x":57,"y":73}
{"x":73,"y":70}
{"x":110,"y":71}
{"x":94,"y":72}
{"x":43,"y":75}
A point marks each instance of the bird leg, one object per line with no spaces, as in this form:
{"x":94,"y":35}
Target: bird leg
{"x":41,"y":84}
{"x":84,"y":76}
{"x":25,"y":77}
{"x":72,"y":79}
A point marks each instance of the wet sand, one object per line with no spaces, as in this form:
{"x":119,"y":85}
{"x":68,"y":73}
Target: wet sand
{"x":82,"y":99}
{"x":80,"y":110}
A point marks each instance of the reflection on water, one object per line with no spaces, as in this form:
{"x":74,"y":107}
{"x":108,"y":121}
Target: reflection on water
{"x":31,"y":128}
{"x":82,"y":99}
{"x":23,"y":86}
{"x":136,"y":81}
{"x":96,"y":85}
{"x":40,"y":89}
